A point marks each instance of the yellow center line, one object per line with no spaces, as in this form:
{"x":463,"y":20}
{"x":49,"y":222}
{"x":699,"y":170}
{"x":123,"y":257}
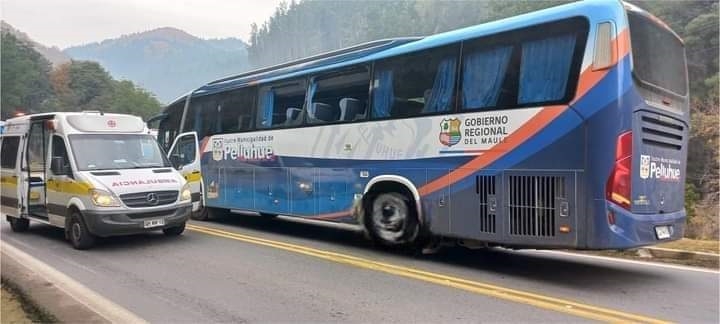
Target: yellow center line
{"x":541,"y":301}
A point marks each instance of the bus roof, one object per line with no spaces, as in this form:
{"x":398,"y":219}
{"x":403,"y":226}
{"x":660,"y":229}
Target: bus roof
{"x":368,"y":52}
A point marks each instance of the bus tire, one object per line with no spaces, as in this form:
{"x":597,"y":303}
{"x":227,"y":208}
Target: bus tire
{"x":175,"y":230}
{"x":202,"y":214}
{"x":18,"y":225}
{"x":78,"y":233}
{"x":391,"y":220}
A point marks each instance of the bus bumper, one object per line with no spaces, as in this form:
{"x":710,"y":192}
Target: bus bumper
{"x":116,"y":223}
{"x":631,"y":230}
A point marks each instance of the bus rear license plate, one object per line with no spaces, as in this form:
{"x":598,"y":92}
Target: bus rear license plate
{"x":662,"y":232}
{"x":154,"y":223}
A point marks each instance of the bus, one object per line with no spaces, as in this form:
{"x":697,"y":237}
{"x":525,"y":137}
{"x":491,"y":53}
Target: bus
{"x":560,"y":128}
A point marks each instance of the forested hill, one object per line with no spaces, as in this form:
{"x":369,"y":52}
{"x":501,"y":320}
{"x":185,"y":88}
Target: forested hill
{"x":166,"y":61}
{"x":300,"y":29}
{"x":52,"y":54}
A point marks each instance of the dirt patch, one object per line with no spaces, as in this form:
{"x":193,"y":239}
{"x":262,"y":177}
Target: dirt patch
{"x":17,"y":308}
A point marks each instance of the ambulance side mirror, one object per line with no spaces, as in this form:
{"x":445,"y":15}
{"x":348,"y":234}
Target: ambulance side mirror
{"x":176,"y":161}
{"x":58,"y":166}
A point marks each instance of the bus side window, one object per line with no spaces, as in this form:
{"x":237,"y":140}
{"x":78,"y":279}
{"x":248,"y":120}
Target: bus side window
{"x":236,"y":111}
{"x":484,"y":72}
{"x":275,"y":100}
{"x":545,"y":68}
{"x":416,"y":84}
{"x":341,"y":96}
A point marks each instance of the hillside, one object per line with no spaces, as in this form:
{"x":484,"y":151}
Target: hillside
{"x":167,"y":61}
{"x":52,"y":54}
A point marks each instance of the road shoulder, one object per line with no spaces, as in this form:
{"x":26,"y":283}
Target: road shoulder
{"x":63,"y":297}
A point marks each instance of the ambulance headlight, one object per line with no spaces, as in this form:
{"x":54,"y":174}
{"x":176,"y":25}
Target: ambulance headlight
{"x":185,"y":193}
{"x":103,"y":198}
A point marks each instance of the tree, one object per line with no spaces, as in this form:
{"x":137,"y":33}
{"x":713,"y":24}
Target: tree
{"x":23,"y":77}
{"x":130,"y":99}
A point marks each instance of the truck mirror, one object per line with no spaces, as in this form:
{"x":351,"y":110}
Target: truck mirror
{"x":176,"y":161}
{"x":57,"y":166}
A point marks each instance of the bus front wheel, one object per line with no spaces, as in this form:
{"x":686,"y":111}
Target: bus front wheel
{"x":391,"y":220}
{"x":202,"y":214}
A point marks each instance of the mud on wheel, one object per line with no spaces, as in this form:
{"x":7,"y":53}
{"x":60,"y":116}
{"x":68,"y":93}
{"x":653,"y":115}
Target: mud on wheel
{"x":391,"y":219}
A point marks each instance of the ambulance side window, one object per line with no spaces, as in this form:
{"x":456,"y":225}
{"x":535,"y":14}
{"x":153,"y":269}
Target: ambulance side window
{"x":9,"y":151}
{"x":60,"y":162}
{"x":184,"y":151}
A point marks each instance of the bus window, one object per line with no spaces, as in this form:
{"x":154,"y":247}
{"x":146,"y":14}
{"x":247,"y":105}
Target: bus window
{"x":534,"y":66}
{"x":236,"y":110}
{"x":545,"y":69}
{"x":277,"y":102}
{"x":342,"y":97}
{"x":202,"y":116}
{"x":483,"y":76}
{"x":170,"y":126}
{"x":415,"y":84}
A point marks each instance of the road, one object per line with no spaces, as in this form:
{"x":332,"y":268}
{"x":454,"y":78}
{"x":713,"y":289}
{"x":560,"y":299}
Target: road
{"x":249,"y":269}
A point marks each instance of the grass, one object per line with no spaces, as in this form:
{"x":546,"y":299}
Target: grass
{"x":708,"y":246}
{"x":18,"y":308}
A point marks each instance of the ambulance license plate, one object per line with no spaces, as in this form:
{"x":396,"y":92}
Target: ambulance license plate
{"x":154,"y":223}
{"x":662,"y":232}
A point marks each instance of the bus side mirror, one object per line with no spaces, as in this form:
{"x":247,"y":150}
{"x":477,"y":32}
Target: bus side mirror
{"x":57,"y":166}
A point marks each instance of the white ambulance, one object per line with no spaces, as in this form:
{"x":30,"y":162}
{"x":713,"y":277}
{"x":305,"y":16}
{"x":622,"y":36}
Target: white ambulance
{"x":92,"y":173}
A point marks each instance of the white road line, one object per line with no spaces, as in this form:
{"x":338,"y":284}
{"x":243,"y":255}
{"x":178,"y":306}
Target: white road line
{"x":99,"y":304}
{"x":619,"y":260}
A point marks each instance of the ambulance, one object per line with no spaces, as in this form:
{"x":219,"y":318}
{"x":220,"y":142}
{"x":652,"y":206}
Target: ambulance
{"x":93,"y":174}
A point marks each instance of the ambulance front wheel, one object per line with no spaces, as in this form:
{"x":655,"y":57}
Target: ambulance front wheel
{"x":18,"y":224}
{"x":175,"y":230}
{"x":78,"y":233}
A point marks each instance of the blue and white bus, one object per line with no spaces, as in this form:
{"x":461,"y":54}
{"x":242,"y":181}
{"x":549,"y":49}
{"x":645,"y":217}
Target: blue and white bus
{"x":561,"y":128}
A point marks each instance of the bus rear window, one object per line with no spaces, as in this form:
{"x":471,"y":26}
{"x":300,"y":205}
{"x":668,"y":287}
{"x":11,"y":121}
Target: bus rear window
{"x":658,"y":56}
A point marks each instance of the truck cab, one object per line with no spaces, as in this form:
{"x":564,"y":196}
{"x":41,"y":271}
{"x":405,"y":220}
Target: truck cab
{"x":91,"y":173}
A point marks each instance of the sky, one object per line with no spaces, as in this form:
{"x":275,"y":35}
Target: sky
{"x":65,"y":23}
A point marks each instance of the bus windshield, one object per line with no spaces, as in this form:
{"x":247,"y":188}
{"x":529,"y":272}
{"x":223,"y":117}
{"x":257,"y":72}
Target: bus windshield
{"x":114,"y":151}
{"x":658,"y":55}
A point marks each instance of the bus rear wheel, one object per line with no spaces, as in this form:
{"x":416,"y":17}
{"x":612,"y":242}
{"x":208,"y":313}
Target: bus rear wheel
{"x":18,"y":224}
{"x":391,"y":220}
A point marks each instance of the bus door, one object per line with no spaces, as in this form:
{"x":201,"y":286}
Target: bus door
{"x":185,"y":157}
{"x":34,"y":173}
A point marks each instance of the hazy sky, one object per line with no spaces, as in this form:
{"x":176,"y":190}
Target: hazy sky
{"x":66,"y":23}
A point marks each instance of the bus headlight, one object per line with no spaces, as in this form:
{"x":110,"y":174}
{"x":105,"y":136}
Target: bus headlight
{"x":103,"y":198}
{"x":185,"y":193}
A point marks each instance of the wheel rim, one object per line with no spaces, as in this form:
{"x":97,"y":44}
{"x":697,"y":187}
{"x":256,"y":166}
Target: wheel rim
{"x":389,"y":218}
{"x":76,"y":231}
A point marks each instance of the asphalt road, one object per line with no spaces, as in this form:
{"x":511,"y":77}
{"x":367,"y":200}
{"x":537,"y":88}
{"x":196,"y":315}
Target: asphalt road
{"x":249,"y":269}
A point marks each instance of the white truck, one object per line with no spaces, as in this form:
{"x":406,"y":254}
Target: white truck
{"x":94,"y":174}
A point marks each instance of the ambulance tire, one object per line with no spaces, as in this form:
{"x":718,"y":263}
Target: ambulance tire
{"x":18,"y":225}
{"x":175,"y":230}
{"x":78,"y":233}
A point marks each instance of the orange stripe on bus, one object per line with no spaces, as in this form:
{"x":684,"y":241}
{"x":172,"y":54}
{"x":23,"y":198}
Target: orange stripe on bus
{"x":528,"y":129}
